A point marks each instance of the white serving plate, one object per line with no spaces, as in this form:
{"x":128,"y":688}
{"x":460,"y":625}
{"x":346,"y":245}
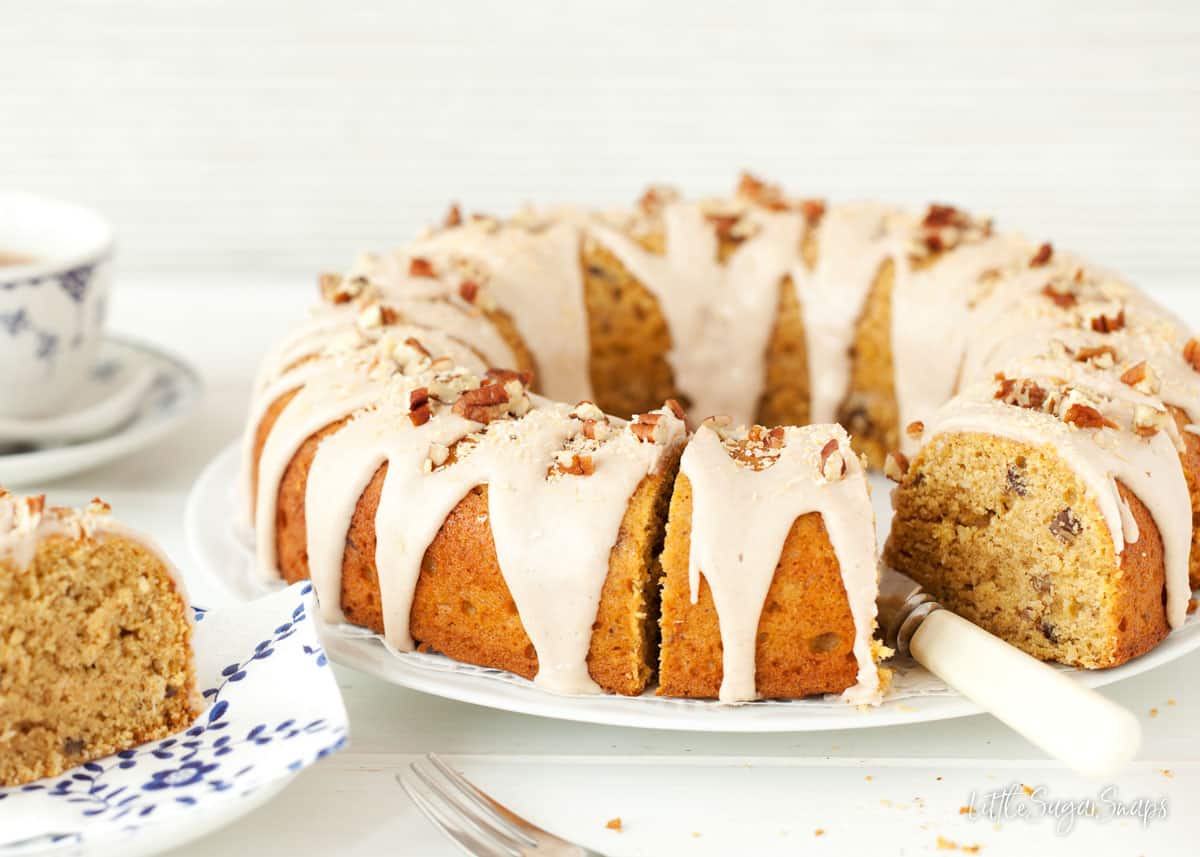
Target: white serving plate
{"x":223,"y":550}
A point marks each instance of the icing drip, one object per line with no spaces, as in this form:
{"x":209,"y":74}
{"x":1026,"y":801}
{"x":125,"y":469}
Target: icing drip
{"x":853,"y":243}
{"x":1149,"y":467}
{"x":740,"y":520}
{"x":720,"y":315}
{"x":930,"y":323}
{"x":534,"y":273}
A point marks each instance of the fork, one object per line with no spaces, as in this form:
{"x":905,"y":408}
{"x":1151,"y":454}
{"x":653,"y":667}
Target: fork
{"x":474,"y":821}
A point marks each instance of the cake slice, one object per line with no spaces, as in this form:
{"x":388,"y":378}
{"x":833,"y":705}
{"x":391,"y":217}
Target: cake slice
{"x":1037,"y":512}
{"x":770,"y":569}
{"x":95,"y":640}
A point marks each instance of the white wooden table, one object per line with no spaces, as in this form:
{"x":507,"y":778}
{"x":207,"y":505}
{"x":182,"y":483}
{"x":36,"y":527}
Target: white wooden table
{"x":895,"y":790}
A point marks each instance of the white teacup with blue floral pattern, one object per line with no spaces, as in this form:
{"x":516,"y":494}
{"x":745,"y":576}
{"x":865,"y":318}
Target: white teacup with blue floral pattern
{"x":55,"y":271}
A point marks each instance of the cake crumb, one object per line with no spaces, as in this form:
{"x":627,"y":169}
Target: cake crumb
{"x":820,"y":831}
{"x":695,"y":834}
{"x":868,"y":778}
{"x":1154,"y":712}
{"x":1171,"y":702}
{"x":1026,"y":789}
{"x":966,"y":810}
{"x":945,"y":844}
{"x":614,"y":824}
{"x":1166,"y":772}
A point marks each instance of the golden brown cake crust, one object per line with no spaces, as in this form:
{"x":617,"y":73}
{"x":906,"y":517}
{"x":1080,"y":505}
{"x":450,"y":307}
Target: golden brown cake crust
{"x":1189,"y":459}
{"x":805,"y":634}
{"x":96,"y":655}
{"x":869,"y":411}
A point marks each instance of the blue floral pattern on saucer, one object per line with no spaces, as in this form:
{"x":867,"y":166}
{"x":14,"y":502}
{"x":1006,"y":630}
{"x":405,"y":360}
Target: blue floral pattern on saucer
{"x":272,"y":708}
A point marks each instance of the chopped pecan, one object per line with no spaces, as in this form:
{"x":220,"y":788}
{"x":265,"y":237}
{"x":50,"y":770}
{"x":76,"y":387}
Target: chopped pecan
{"x":468,"y":290}
{"x":1042,"y":256}
{"x":453,"y":216}
{"x":655,"y":197}
{"x":1066,"y":526}
{"x":420,"y":267}
{"x":595,"y":429}
{"x":1085,"y":416}
{"x":1148,"y":421}
{"x":1021,"y":392}
{"x":833,"y":462}
{"x":1103,"y":356}
{"x":483,"y":404}
{"x":675,"y":408}
{"x":415,"y":344}
{"x":646,"y":427}
{"x":938,"y":216}
{"x":588,"y":411}
{"x":331,"y":289}
{"x":36,"y":504}
{"x":915,"y":429}
{"x":1061,"y":299}
{"x":761,"y":193}
{"x":420,"y":415}
{"x":574,"y":464}
{"x":774,"y":438}
{"x":418,"y":397}
{"x":895,"y":465}
{"x":1109,"y":322}
{"x":725,"y":224}
{"x":503,"y":376}
{"x":1191,"y":353}
{"x":1142,"y":378}
{"x":813,"y":210}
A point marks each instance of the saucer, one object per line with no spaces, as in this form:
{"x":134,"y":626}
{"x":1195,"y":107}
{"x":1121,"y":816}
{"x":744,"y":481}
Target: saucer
{"x":135,"y":395}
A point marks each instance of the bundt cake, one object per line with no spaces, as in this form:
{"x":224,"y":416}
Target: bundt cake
{"x":396,"y":451}
{"x":95,"y":640}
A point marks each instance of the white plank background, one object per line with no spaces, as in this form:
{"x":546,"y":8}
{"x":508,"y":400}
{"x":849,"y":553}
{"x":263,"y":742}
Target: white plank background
{"x":284,"y":135}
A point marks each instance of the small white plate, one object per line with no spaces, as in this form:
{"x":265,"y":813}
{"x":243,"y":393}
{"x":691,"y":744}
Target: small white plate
{"x":225,"y":556}
{"x":171,"y":394}
{"x":272,"y":708}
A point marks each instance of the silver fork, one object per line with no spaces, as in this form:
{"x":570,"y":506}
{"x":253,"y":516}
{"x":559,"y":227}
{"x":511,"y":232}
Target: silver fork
{"x":476,"y":823}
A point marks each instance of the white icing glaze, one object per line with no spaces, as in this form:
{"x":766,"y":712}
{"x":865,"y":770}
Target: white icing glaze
{"x":740,"y":520}
{"x":930,"y":327}
{"x":535,"y":273}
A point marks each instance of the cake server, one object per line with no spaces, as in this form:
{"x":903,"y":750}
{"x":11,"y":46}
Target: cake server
{"x":1073,"y":723}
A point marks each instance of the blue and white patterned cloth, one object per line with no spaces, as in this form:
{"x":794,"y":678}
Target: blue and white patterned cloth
{"x":272,"y":708}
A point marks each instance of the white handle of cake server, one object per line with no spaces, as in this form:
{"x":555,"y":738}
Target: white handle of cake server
{"x":1071,"y":722}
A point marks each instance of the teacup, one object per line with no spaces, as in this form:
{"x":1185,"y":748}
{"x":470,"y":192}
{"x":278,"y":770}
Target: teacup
{"x":55,"y":271}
